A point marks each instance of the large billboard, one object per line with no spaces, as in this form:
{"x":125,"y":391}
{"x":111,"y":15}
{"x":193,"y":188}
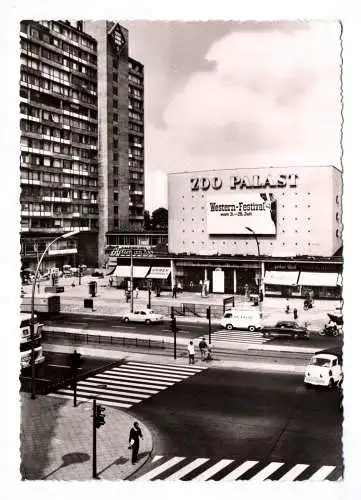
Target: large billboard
{"x":234,"y":213}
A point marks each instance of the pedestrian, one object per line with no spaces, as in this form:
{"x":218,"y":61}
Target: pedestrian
{"x":295,"y":313}
{"x":203,"y":348}
{"x":134,"y":435}
{"x":110,"y":281}
{"x":191,"y":353}
{"x":136,"y":292}
{"x":174,"y":295}
{"x":209,"y":352}
{"x":127,"y":296}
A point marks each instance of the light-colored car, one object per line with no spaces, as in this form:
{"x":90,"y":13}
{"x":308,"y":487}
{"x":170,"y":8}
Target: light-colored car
{"x":325,"y":369}
{"x":146,"y":316}
{"x":248,"y":319}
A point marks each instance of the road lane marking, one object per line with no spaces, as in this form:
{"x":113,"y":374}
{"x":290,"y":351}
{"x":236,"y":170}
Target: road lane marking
{"x":161,"y":468}
{"x":188,"y":468}
{"x":123,"y":326}
{"x":267,"y":471}
{"x":322,"y":473}
{"x":294,"y":472}
{"x":213,"y":470}
{"x":238,"y":471}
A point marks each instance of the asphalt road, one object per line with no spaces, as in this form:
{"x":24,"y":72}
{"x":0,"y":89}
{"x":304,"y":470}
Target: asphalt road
{"x":239,"y":415}
{"x":186,"y":329}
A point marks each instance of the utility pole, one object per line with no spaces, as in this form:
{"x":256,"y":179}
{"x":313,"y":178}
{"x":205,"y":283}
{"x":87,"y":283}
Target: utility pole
{"x":173,"y":327}
{"x":94,"y":439}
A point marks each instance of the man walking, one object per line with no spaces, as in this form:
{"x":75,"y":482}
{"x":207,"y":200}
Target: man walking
{"x":203,"y":348}
{"x":191,"y":353}
{"x":134,"y":435}
{"x":174,"y":295}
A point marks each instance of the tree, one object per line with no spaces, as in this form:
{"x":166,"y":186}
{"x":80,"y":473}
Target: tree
{"x":160,"y":218}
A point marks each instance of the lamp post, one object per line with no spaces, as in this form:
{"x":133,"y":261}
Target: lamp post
{"x":260,"y":285}
{"x":63,"y":236}
{"x":131,"y":281}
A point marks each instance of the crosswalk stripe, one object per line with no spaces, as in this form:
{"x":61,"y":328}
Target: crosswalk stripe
{"x":322,"y":473}
{"x":161,"y":468}
{"x":208,"y":473}
{"x":156,"y":372}
{"x":115,"y":394}
{"x":141,"y":382}
{"x":188,"y":468}
{"x":267,"y":471}
{"x":294,"y":472}
{"x":156,"y":458}
{"x":150,"y":374}
{"x":99,"y":398}
{"x":109,"y":390}
{"x":80,"y":392}
{"x":134,"y":386}
{"x":170,"y":367}
{"x":238,"y":471}
{"x":238,"y":336}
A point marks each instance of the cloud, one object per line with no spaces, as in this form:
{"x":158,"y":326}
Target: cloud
{"x":271,"y":97}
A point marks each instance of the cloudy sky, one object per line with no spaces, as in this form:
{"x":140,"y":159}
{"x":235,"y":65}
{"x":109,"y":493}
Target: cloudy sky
{"x":237,"y":94}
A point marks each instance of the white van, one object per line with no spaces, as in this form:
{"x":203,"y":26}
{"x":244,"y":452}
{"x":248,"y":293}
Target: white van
{"x":246,"y":319}
{"x":325,"y":369}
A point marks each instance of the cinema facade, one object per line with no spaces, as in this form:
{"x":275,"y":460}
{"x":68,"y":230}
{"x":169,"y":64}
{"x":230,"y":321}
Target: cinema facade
{"x":277,"y":229}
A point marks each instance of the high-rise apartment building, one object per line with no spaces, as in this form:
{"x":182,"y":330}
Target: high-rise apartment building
{"x":121,"y":130}
{"x":59,"y":142}
{"x":82,"y":138}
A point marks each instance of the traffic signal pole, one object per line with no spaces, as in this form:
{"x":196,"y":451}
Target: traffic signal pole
{"x":209,"y":325}
{"x":94,"y":439}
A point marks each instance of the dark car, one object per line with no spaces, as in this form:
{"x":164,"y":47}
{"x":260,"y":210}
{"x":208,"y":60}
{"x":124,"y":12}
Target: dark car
{"x":290,"y":329}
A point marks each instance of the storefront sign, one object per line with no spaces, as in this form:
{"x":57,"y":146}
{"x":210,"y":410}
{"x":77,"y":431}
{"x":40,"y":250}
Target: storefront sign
{"x":235,"y":213}
{"x":123,"y":251}
{"x":244,"y":182}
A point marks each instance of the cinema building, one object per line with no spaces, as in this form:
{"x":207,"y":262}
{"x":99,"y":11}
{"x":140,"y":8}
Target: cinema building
{"x":278,"y":229}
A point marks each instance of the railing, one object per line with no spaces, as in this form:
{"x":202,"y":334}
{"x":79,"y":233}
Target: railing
{"x":70,"y":338}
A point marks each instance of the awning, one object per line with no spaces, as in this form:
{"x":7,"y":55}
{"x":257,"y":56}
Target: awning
{"x":318,"y":279}
{"x":287,"y":278}
{"x":159,"y":273}
{"x":124,"y":271}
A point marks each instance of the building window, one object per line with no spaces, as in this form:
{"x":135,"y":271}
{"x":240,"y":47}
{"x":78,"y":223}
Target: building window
{"x":115,"y":144}
{"x":115,"y":103}
{"x":115,"y":197}
{"x":115,"y":170}
{"x":115,"y":90}
{"x":116,"y":222}
{"x":115,"y":130}
{"x":115,"y":156}
{"x":115,"y":183}
{"x":115,"y":117}
{"x":115,"y":77}
{"x":116,"y":210}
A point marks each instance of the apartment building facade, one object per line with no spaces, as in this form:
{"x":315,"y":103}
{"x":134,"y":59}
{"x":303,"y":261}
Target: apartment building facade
{"x":121,"y":130}
{"x":59,"y":142}
{"x":82,"y":138}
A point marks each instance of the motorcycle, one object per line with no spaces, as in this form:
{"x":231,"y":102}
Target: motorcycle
{"x":330,"y":330}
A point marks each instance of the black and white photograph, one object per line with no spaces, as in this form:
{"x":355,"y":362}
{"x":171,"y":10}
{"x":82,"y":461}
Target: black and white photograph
{"x":181,"y":251}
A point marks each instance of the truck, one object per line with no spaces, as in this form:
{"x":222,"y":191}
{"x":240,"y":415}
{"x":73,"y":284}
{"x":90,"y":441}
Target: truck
{"x":45,"y":305}
{"x":325,"y":369}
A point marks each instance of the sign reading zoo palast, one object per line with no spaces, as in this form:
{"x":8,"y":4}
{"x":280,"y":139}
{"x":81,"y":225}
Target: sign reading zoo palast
{"x":234,"y":213}
{"x":244,"y":182}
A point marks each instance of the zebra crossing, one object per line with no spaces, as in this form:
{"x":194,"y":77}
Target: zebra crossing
{"x":204,"y":469}
{"x":128,"y":384}
{"x":238,"y":336}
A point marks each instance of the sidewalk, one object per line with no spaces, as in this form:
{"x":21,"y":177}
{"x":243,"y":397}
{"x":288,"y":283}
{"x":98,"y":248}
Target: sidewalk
{"x":56,"y":441}
{"x":111,"y":301}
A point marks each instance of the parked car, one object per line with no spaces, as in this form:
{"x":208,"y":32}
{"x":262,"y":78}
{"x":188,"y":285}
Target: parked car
{"x":97,"y":273}
{"x":286,"y":329}
{"x":146,"y":316}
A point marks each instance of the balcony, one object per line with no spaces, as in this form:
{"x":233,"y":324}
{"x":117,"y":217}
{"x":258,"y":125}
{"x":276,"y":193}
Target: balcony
{"x":57,"y":199}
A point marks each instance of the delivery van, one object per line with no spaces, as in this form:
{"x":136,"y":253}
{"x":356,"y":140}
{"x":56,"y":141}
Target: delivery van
{"x":324,"y":369}
{"x":245,"y":319}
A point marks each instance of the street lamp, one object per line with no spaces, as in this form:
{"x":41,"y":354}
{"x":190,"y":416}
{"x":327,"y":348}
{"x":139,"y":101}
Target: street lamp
{"x":63,"y":236}
{"x":260,"y":286}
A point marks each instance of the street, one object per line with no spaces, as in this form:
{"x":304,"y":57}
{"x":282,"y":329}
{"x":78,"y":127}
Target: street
{"x":245,"y":416}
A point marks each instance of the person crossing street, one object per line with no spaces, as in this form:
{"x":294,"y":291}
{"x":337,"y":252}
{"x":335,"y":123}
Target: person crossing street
{"x":203,"y":348}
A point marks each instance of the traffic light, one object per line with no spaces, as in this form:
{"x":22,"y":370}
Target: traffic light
{"x":75,"y":360}
{"x":173,"y":324}
{"x":208,"y":313}
{"x":99,"y":416}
